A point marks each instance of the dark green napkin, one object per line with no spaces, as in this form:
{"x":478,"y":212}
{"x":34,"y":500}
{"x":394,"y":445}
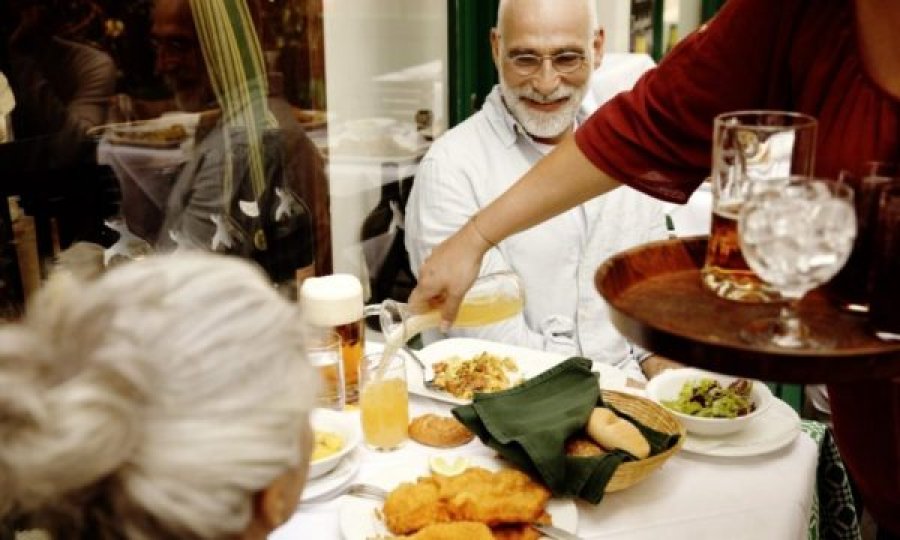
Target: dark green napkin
{"x":529,"y":424}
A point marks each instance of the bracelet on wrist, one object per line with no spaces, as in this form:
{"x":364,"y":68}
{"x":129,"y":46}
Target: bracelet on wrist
{"x":474,"y":221}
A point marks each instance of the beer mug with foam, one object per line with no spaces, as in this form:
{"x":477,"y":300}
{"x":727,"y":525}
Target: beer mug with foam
{"x":336,"y":302}
{"x":748,"y":147}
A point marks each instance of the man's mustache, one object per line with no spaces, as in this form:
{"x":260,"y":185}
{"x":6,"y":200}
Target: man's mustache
{"x":558,"y":94}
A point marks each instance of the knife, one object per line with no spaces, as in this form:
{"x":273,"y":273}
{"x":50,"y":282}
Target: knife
{"x":554,"y":532}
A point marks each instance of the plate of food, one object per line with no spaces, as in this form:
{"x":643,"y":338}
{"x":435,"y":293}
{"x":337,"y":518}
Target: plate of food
{"x":149,"y":135}
{"x":485,"y":492}
{"x":311,"y":118}
{"x":776,"y":428}
{"x":464,"y":366}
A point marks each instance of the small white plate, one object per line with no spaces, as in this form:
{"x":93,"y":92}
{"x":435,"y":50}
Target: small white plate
{"x":359,"y":518}
{"x":334,"y":481}
{"x":777,"y":427}
{"x":531,"y":362}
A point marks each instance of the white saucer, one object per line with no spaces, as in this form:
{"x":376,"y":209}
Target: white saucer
{"x":772,"y":430}
{"x":333,"y":482}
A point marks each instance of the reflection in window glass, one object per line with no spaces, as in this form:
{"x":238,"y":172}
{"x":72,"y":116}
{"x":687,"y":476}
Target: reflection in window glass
{"x":285,"y":131}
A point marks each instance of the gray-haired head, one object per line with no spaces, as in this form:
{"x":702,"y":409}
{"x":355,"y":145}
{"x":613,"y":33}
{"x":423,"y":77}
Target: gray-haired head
{"x":153,"y":402}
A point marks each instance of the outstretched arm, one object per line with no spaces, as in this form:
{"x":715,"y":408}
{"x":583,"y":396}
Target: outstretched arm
{"x":562,"y":180}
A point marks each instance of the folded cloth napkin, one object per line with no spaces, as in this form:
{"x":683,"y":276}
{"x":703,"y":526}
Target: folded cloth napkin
{"x":529,"y":424}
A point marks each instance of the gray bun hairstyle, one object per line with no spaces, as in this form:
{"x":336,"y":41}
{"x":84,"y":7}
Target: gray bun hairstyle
{"x":152,"y":402}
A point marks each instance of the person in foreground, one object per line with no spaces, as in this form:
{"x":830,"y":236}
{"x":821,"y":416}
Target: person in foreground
{"x":755,"y":54}
{"x":536,"y":105}
{"x":167,"y":399}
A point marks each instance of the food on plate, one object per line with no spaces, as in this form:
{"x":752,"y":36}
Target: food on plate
{"x":612,"y":432}
{"x":707,"y":398}
{"x":327,"y":444}
{"x":161,"y":136}
{"x":439,"y":431}
{"x":484,"y":372}
{"x":520,"y":531}
{"x":448,"y":467}
{"x":470,"y":530}
{"x":494,"y":498}
{"x":580,"y":446}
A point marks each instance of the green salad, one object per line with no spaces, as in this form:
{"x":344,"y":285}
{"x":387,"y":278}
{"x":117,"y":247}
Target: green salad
{"x":707,"y":398}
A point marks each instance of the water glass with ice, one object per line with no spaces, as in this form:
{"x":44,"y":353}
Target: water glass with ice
{"x":795,"y":234}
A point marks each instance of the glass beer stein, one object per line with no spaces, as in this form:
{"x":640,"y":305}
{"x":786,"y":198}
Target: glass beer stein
{"x":749,"y":147}
{"x":492,"y":298}
{"x":335,"y":303}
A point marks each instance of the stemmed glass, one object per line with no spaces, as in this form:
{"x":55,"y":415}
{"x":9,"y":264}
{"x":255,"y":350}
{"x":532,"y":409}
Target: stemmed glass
{"x":795,"y":233}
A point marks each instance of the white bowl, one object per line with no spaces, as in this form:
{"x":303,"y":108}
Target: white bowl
{"x":346,"y":425}
{"x":667,"y":385}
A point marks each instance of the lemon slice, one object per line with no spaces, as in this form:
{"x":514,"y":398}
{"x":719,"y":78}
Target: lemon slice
{"x":448,"y":466}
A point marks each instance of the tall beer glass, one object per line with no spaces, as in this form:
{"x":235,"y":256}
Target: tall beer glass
{"x":748,"y":147}
{"x":336,"y":302}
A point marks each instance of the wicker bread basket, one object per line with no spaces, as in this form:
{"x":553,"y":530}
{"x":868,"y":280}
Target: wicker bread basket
{"x":652,"y":415}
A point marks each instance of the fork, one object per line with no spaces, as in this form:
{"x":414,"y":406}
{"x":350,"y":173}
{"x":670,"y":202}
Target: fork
{"x":427,"y":369}
{"x":367,"y":491}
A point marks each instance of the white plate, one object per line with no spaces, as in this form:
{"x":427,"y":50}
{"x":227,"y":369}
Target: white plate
{"x":772,"y":430}
{"x":531,"y":362}
{"x":359,"y":519}
{"x":334,"y":481}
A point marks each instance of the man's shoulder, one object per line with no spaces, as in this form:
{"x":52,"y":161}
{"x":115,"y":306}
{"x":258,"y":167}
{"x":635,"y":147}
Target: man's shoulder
{"x":462,"y":138}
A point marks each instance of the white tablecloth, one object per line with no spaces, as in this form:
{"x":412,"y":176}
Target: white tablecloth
{"x":691,"y":497}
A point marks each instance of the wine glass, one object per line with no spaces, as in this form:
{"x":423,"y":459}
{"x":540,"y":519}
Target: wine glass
{"x":795,"y":233}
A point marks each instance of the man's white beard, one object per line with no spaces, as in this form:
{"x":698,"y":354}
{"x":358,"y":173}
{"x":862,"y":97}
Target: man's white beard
{"x":543,"y":125}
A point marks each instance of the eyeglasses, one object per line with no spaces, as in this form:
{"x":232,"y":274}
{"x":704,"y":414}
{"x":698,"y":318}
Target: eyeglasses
{"x":564,"y":62}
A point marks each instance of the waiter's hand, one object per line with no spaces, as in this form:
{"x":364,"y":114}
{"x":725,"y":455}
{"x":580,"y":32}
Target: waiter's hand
{"x":448,"y":273}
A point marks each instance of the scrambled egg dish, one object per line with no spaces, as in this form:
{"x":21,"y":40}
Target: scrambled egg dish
{"x":482,"y":373}
{"x":326,"y":444}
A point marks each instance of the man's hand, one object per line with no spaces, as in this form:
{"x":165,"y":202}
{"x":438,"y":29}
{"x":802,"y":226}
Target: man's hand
{"x":448,"y":273}
{"x":655,"y":364}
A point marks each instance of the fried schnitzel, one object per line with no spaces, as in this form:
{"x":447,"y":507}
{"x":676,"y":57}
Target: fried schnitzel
{"x":493,"y":498}
{"x":469,"y":530}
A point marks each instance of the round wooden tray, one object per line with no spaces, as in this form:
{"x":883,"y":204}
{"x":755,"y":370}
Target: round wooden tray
{"x":656,"y":300}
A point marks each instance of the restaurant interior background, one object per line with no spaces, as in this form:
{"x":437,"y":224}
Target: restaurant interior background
{"x":371,"y":81}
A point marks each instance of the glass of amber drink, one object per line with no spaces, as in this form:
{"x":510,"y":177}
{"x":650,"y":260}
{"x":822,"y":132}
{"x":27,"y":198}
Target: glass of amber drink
{"x":324,"y":352}
{"x":335,"y":303}
{"x":383,"y":401}
{"x":750,"y":147}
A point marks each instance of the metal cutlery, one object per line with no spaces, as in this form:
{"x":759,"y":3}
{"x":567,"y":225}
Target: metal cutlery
{"x":367,"y":491}
{"x":427,"y":370}
{"x":554,"y":532}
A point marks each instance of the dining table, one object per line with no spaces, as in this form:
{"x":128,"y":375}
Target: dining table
{"x":699,"y":494}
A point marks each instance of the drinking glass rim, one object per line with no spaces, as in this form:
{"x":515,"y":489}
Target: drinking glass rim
{"x":801,"y":120}
{"x":759,"y":188}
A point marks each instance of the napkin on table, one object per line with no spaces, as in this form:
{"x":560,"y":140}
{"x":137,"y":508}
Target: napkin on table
{"x":529,"y":424}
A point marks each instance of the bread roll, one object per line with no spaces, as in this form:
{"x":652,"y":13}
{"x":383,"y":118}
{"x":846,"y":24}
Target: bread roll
{"x":611,"y":432}
{"x":583,"y":447}
{"x":439,"y":431}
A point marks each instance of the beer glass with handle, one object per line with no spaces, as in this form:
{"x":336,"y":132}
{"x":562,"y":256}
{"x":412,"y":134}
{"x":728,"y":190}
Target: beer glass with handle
{"x":492,"y":298}
{"x":750,"y":147}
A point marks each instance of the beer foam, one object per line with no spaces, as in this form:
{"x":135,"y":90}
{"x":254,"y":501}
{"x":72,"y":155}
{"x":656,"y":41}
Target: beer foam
{"x":332,"y":300}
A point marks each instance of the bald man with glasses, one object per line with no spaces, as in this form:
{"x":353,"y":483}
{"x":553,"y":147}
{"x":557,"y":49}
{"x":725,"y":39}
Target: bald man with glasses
{"x":545,"y":52}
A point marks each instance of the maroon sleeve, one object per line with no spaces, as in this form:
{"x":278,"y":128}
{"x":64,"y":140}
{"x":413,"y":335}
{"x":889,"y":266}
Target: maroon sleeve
{"x":657,"y":138}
